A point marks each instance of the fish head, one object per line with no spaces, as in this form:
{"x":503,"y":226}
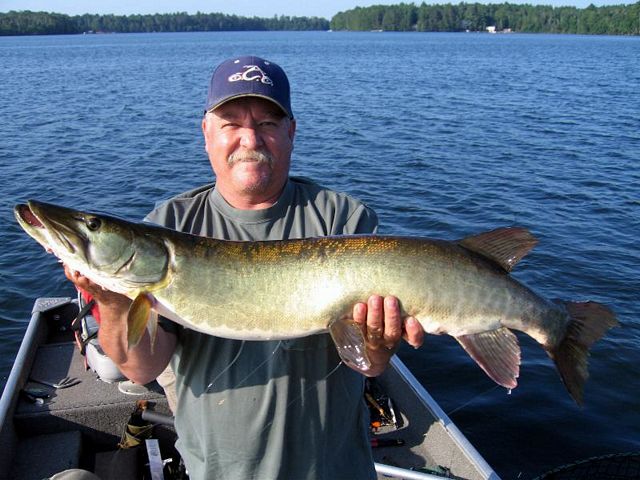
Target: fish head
{"x":116,"y":254}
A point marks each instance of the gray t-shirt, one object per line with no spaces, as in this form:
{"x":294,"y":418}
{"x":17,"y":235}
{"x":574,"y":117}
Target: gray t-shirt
{"x":275,"y":409}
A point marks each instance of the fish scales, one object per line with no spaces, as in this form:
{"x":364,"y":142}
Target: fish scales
{"x":306,"y":284}
{"x":294,"y":288}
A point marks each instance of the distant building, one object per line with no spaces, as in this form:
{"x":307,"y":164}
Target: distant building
{"x":491,"y":29}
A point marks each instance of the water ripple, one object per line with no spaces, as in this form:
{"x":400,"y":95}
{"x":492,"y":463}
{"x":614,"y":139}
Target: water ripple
{"x":444,"y":135}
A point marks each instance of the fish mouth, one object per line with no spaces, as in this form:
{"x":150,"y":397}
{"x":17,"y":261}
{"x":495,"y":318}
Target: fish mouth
{"x":25,"y":214}
{"x":45,"y":230}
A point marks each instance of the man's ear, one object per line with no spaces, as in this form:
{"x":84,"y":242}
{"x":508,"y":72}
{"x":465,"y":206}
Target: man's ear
{"x":292,"y":129}
{"x":204,"y":133}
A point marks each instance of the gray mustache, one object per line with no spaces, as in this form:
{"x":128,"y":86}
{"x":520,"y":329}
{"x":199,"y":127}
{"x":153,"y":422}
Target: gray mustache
{"x":252,"y":156}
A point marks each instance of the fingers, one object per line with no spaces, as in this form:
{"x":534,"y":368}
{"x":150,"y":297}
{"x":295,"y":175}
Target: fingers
{"x":75,"y":277}
{"x":381,"y":321}
{"x":413,"y":332}
{"x":82,"y":282}
{"x":360,"y":315}
{"x":68,"y":272}
{"x":392,"y":323}
{"x":375,"y":319}
{"x":383,"y":325}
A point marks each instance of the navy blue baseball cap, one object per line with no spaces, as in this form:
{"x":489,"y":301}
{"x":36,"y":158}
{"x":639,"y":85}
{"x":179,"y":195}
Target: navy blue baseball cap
{"x":249,"y":76}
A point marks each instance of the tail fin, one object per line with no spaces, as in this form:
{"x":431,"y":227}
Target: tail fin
{"x":589,"y":321}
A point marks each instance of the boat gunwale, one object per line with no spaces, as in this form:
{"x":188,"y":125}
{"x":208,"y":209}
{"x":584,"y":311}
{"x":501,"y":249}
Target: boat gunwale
{"x":447,"y":424}
{"x":32,"y":339}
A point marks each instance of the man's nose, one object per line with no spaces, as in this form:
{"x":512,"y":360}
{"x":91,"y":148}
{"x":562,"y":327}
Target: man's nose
{"x":250,"y":138}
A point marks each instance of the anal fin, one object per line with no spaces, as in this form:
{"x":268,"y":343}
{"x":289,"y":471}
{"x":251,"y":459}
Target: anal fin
{"x":350,"y":343}
{"x":497,"y":352}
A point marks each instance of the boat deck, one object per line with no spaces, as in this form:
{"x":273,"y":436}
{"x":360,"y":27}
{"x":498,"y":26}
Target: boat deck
{"x":432,"y":443}
{"x":80,"y":426}
{"x":76,"y":427}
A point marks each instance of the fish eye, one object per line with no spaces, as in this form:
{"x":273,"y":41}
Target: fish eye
{"x":93,"y":223}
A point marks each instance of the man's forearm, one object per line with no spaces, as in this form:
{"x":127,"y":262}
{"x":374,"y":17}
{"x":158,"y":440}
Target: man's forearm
{"x":139,"y":363}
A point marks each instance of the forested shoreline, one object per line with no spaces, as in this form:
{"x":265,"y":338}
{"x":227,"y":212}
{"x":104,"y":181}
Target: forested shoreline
{"x":606,"y":20}
{"x":44,"y":23}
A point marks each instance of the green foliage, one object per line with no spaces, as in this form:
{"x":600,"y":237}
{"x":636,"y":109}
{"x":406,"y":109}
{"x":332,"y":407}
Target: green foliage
{"x":611,"y":20}
{"x":43,"y":23}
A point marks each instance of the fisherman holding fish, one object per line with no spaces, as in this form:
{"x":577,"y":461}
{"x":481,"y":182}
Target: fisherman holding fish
{"x":289,"y":409}
{"x":262,"y":390}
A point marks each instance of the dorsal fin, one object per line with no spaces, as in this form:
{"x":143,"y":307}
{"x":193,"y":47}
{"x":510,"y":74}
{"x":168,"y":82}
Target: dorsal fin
{"x":504,"y":246}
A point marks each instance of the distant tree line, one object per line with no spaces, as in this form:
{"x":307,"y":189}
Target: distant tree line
{"x":43,"y":23}
{"x":611,"y":20}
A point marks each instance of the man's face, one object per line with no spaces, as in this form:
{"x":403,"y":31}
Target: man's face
{"x":249,"y":142}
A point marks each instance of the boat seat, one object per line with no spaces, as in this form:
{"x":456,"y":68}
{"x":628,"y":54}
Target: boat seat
{"x":45,"y":455}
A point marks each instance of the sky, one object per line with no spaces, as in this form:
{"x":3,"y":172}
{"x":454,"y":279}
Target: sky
{"x":247,"y":8}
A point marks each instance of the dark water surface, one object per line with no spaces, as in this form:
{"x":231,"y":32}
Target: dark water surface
{"x":443,"y":134}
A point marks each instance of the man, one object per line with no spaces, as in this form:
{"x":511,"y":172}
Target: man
{"x":278,"y":409}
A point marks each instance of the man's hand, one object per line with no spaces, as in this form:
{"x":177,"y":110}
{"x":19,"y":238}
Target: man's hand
{"x":104,"y":298}
{"x":383,"y":328}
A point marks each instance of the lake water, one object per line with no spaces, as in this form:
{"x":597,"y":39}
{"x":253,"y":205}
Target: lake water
{"x":443,"y":134}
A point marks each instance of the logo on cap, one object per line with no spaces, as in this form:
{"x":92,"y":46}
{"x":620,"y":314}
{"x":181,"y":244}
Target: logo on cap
{"x":253,"y":73}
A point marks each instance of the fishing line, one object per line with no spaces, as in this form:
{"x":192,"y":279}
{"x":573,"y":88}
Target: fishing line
{"x":313,"y":385}
{"x":275,"y":350}
{"x":259,"y":366}
{"x":475,"y":397}
{"x":235,"y":359}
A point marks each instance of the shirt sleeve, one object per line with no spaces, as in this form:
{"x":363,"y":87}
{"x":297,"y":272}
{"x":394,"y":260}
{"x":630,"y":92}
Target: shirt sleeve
{"x":162,"y":215}
{"x":363,"y":221}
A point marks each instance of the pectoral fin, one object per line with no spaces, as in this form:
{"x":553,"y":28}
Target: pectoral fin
{"x":497,"y":352}
{"x":141,"y":316}
{"x":152,"y":328}
{"x":350,"y":343}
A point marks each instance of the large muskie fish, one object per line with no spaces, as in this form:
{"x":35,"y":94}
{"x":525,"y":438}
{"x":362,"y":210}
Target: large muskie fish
{"x":293,"y":288}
